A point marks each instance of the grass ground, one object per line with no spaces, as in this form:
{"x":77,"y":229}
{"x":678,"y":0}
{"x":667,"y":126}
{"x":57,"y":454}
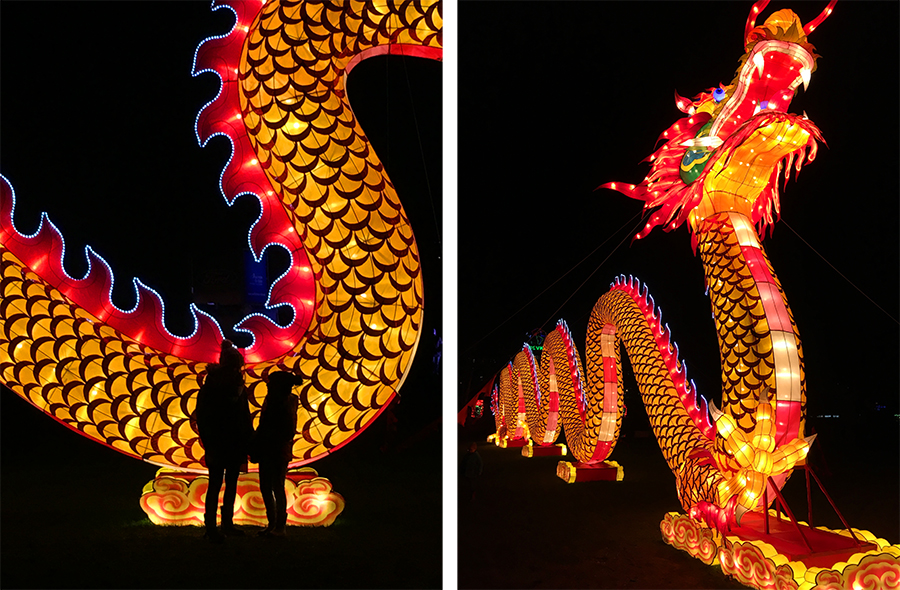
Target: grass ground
{"x":529,"y":529}
{"x":71,"y":519}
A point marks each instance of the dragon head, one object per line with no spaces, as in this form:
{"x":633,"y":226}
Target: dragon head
{"x":728,"y":153}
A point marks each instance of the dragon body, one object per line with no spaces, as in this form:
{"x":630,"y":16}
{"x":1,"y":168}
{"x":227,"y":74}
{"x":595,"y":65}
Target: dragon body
{"x":718,"y":171}
{"x":354,"y":281}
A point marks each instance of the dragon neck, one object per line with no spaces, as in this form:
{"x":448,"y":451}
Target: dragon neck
{"x":758,"y":340}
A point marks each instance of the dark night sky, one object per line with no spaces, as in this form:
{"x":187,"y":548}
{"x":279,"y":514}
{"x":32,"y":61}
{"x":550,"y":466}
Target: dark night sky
{"x":556,"y":99}
{"x":97,"y":128}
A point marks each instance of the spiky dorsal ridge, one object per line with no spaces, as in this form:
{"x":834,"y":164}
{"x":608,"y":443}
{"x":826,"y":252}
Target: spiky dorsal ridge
{"x":244,"y":174}
{"x":664,"y":189}
{"x":694,"y":404}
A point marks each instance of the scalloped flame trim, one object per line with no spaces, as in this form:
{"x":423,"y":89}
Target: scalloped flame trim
{"x":694,"y":403}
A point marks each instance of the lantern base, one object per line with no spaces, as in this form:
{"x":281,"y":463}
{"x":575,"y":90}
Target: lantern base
{"x":824,"y":549}
{"x":544,"y":451}
{"x":505,"y":443}
{"x":756,"y":558}
{"x":178,"y":498}
{"x":602,"y":471}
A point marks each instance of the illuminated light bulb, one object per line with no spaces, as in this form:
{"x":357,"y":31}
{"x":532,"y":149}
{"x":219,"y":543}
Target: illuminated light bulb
{"x":254,"y":162}
{"x":246,"y":29}
{"x":236,"y":71}
{"x":314,"y":406}
{"x":308,"y":301}
{"x":290,"y":230}
{"x":296,"y":125}
{"x":305,"y":268}
{"x":237,"y":116}
{"x":270,"y":193}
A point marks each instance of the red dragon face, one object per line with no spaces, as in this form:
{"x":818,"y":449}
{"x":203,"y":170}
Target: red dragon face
{"x":767,"y":82}
{"x":728,"y":153}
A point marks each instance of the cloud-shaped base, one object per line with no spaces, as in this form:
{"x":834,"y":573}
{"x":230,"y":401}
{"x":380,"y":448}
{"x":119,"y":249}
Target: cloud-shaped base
{"x":758,"y":564}
{"x":176,"y":498}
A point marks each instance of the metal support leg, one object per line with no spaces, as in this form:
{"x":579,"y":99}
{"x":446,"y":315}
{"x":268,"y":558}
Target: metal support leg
{"x":830,"y":501}
{"x":808,"y":496}
{"x":791,"y":515}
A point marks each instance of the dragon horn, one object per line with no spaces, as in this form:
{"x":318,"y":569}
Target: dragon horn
{"x":811,"y":26}
{"x":809,"y":439}
{"x":764,"y":395}
{"x":751,"y":18}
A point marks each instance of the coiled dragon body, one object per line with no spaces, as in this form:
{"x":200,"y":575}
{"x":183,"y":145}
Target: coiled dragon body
{"x":354,"y":280}
{"x":718,"y":171}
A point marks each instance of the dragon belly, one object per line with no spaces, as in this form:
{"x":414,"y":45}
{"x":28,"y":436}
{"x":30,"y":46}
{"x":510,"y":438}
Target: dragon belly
{"x":758,"y":341}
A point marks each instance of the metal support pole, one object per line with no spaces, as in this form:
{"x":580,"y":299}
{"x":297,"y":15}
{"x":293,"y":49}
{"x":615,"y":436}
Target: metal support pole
{"x":830,"y":501}
{"x":791,"y":515}
{"x":808,"y":496}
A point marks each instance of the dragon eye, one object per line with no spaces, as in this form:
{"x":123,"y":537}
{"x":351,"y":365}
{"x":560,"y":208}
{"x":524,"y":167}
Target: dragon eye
{"x":718,"y":94}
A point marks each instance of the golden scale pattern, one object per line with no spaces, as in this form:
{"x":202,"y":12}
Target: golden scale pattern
{"x":91,"y":377}
{"x":675,"y":431}
{"x":359,"y":345}
{"x":745,"y":344}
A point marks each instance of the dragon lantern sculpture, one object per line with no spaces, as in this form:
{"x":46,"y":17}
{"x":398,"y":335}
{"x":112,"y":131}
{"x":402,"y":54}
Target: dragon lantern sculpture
{"x":718,"y":171}
{"x":354,"y":281}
